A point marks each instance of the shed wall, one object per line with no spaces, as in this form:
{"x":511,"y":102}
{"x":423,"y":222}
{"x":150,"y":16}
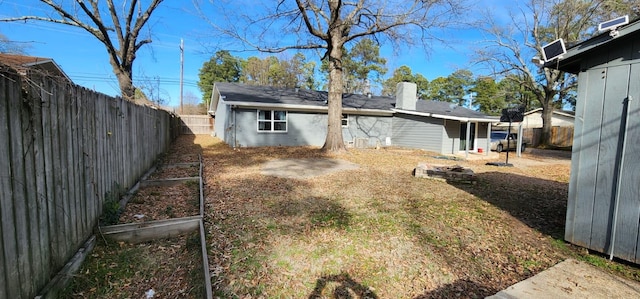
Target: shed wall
{"x":605,"y":168}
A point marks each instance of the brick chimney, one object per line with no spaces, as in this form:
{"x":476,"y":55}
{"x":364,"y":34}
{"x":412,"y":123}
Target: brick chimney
{"x":406,"y":96}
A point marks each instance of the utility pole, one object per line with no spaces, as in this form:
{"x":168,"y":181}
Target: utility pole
{"x":181,"y":70}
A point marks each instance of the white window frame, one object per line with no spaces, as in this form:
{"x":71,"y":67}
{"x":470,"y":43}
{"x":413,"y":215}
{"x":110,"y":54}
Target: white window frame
{"x":272,"y":121}
{"x":345,"y":120}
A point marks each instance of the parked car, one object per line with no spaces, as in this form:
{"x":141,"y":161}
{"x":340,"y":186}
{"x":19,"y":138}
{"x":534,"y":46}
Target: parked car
{"x":500,"y":140}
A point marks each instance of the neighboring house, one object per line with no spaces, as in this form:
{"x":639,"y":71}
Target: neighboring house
{"x":533,"y":119}
{"x":248,"y":116}
{"x":561,"y":127}
{"x":603,"y":210}
{"x":29,"y":65}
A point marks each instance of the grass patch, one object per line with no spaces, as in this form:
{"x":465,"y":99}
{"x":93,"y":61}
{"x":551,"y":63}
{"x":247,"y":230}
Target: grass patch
{"x":172,"y":268}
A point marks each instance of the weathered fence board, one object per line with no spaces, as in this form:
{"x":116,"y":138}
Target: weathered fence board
{"x":10,"y":266}
{"x":560,"y":136}
{"x":62,"y":149}
{"x":196,"y":124}
{"x":18,"y":179}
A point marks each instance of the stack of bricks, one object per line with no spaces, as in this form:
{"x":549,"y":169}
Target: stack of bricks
{"x":453,"y":173}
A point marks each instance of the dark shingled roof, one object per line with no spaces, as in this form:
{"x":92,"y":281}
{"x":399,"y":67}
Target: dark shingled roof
{"x":446,"y":108}
{"x":236,"y":92}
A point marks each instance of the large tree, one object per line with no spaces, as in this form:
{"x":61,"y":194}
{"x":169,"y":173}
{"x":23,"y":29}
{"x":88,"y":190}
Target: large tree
{"x":327,"y":25}
{"x":512,"y":46}
{"x":273,"y":71}
{"x":404,"y":74}
{"x":362,"y":66}
{"x":453,"y":88}
{"x":221,"y":67}
{"x":117,"y":26}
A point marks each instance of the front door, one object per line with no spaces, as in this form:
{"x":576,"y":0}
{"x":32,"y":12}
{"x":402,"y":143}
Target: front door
{"x":463,"y":136}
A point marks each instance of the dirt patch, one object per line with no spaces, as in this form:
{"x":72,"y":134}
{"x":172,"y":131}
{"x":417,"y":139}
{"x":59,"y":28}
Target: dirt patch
{"x":163,"y":202}
{"x":306,"y":167}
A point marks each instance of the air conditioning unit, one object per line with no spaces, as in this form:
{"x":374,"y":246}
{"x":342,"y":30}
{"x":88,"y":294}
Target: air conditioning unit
{"x":362,"y":142}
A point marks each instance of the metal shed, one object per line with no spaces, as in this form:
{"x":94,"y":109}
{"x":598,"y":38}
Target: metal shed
{"x":603,"y":209}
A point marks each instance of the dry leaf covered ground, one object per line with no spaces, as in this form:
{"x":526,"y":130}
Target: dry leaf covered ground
{"x":375,"y":231}
{"x":171,"y":268}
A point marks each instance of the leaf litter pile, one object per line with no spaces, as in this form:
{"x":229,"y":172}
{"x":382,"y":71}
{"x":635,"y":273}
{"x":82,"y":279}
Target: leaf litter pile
{"x":168,"y":268}
{"x":377,"y":231}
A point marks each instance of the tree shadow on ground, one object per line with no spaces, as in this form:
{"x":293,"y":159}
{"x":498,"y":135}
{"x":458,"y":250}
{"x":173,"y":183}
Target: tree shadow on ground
{"x":462,"y":288}
{"x":341,"y":286}
{"x":541,"y":204}
{"x":305,"y":214}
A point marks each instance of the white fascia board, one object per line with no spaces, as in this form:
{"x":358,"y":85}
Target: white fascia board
{"x":306,"y":108}
{"x":449,"y":117}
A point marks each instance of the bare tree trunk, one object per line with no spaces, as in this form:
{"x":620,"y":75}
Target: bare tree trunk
{"x":334,"y":141}
{"x":125,"y":82}
{"x":547,"y":111}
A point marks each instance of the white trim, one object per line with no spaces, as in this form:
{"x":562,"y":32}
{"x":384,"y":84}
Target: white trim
{"x":272,"y":121}
{"x":449,"y":117}
{"x":290,"y":107}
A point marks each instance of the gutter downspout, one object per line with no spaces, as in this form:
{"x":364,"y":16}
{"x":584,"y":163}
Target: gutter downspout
{"x":622,"y":147}
{"x":235,"y":127}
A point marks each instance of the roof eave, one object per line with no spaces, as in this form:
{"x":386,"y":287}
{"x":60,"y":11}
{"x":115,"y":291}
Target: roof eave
{"x":447,"y":117}
{"x":306,"y":108}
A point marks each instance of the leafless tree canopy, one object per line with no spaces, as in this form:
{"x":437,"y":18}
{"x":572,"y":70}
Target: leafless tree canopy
{"x":117,"y":27}
{"x":510,"y":47}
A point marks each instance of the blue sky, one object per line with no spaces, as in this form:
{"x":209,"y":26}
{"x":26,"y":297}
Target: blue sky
{"x":85,"y":60}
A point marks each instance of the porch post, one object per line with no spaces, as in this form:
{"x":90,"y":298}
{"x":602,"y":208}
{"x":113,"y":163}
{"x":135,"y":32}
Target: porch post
{"x":466,"y":145}
{"x":487,"y":149}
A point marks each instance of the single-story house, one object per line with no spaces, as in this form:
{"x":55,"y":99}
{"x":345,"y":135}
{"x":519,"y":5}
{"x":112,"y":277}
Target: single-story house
{"x":248,"y":116}
{"x":533,"y":119}
{"x":28,"y":65}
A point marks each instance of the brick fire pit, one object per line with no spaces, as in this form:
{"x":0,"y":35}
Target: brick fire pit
{"x":454,"y":173}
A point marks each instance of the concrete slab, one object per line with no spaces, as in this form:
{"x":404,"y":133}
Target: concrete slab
{"x":572,"y":279}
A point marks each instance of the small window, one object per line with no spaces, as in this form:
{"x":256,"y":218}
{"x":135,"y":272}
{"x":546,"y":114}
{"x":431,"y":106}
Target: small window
{"x":272,"y":121}
{"x":345,"y":120}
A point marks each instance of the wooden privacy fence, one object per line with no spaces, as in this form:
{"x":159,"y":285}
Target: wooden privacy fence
{"x":196,"y":124}
{"x":63,"y":148}
{"x":560,"y":136}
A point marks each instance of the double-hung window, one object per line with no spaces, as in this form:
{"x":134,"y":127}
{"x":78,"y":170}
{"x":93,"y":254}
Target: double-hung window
{"x":272,"y":121}
{"x":345,"y":120}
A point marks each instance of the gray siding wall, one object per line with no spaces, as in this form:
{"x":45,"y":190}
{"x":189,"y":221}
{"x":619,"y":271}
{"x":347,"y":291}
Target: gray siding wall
{"x":482,"y":140}
{"x":604,"y":170}
{"x":304,"y":129}
{"x":450,"y":137}
{"x":418,"y":132}
{"x":221,"y":120}
{"x":375,"y":129}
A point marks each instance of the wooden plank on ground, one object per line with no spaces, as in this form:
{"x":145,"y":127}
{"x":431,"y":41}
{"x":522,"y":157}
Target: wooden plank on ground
{"x":151,"y":230}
